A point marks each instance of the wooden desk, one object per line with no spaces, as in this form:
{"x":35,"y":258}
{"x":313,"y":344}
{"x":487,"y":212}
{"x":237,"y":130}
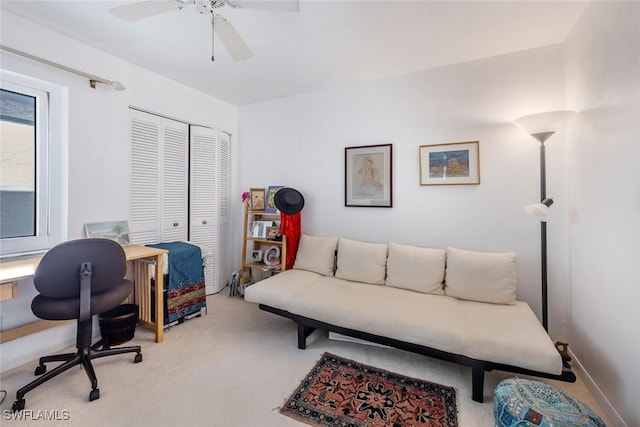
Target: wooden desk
{"x":142,"y":290}
{"x":13,"y":271}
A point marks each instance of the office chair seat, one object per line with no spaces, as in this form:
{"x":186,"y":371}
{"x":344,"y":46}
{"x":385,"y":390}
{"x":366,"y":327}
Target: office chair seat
{"x":76,"y":280}
{"x":68,"y":308}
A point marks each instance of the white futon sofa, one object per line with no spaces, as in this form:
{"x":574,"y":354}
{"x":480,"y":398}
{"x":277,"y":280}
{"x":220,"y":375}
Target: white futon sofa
{"x":452,"y":304}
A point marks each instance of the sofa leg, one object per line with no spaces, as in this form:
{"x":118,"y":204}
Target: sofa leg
{"x":303,"y":333}
{"x":477,"y":384}
{"x":302,"y":339}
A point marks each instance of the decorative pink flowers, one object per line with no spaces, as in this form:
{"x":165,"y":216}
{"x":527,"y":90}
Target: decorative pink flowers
{"x":245,"y":196}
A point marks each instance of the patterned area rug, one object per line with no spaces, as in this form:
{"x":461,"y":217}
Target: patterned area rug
{"x":344,"y":393}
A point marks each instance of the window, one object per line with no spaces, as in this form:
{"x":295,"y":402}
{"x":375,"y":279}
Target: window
{"x":32,"y":164}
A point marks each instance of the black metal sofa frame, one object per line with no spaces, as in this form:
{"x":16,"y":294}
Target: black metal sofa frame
{"x":306,"y":326}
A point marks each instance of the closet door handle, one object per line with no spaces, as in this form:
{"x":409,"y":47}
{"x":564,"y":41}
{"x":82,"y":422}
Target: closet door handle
{"x":204,"y":221}
{"x":175,"y":224}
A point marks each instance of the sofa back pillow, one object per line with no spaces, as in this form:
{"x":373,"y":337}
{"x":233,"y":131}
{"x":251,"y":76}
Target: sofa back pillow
{"x":415,"y":268}
{"x":481,"y":276}
{"x":316,"y":254}
{"x":361,"y":261}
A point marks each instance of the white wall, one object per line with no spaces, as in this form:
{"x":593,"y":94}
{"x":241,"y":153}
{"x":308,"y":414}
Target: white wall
{"x":603,"y":86}
{"x":98,"y":130}
{"x":299,"y":141}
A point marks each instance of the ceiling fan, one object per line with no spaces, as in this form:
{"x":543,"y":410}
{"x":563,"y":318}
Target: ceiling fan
{"x":220,"y":25}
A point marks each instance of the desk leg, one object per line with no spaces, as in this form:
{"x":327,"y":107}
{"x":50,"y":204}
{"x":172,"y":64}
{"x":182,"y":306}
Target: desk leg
{"x":159,"y":326}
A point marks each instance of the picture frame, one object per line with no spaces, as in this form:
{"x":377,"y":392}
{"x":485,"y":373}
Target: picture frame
{"x":259,"y":229}
{"x":271,"y":194}
{"x":117,"y":231}
{"x":257,"y":199}
{"x":271,"y":256}
{"x":256,"y":255}
{"x":272,"y":232}
{"x":454,"y":163}
{"x":368,"y":176}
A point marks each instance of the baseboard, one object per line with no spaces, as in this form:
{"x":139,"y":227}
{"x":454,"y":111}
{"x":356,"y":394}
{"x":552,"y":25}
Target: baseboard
{"x":611,"y":412}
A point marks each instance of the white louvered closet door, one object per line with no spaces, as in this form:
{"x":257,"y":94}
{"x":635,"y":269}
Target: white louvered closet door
{"x":158,"y":196}
{"x":203,"y":221}
{"x":174,"y":178}
{"x":144,"y":192}
{"x":210,"y":201}
{"x":224,"y":208}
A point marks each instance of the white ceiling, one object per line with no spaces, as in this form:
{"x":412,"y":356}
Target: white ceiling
{"x":326,"y":44}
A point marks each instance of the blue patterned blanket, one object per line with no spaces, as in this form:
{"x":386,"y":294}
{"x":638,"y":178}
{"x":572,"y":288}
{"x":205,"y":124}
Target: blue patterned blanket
{"x":185,"y":288}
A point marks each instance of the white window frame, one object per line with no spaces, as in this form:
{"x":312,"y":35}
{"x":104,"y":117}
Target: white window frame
{"x":51,"y":164}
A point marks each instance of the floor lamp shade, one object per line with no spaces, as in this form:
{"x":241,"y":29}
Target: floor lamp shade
{"x":542,"y":125}
{"x":539,"y":210}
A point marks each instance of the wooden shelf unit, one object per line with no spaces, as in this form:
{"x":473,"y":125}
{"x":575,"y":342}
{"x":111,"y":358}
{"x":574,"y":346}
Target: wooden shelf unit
{"x":250,"y":243}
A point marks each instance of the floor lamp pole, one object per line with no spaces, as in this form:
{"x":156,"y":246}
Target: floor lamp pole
{"x":543,"y":239}
{"x":542,"y":126}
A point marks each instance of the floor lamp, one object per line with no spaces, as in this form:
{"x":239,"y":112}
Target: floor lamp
{"x":542,"y":126}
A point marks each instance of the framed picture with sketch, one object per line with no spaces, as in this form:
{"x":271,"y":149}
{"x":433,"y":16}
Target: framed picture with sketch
{"x":368,"y":176}
{"x":257,"y":199}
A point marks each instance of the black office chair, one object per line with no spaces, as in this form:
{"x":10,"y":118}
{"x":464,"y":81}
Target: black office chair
{"x":76,"y":280}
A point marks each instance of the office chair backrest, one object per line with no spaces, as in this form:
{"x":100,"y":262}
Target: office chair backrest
{"x":57,"y":274}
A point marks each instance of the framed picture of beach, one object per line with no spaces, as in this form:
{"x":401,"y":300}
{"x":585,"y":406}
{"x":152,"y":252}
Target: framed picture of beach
{"x":113,"y":230}
{"x":456,"y":163}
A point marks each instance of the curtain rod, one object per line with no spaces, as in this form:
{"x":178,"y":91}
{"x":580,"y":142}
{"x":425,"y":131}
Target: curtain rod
{"x":92,"y":79}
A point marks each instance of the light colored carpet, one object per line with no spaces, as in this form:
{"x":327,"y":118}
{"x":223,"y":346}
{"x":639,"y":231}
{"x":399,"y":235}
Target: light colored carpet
{"x":234,"y":367}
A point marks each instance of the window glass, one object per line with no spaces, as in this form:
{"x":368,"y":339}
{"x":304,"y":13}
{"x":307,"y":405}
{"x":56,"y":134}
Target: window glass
{"x":18,"y":147}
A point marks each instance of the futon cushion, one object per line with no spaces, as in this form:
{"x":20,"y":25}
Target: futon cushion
{"x":361,"y":261}
{"x":415,"y":268}
{"x":481,"y":276}
{"x":316,"y":254}
{"x":280,"y":289}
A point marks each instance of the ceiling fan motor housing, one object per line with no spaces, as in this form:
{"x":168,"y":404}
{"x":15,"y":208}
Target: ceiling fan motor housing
{"x":205,"y":7}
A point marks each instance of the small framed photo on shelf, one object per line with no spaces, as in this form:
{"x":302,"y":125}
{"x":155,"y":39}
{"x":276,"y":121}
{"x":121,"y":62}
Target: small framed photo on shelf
{"x":256,"y":255}
{"x":271,"y":197}
{"x":367,"y":178}
{"x":257,"y":199}
{"x":258,"y":230}
{"x":456,"y":163}
{"x":272,"y":232}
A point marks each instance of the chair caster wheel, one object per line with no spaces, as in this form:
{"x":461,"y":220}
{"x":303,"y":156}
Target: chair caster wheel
{"x":41,"y":369}
{"x":138,"y":358}
{"x":94,"y":395}
{"x":18,"y":405}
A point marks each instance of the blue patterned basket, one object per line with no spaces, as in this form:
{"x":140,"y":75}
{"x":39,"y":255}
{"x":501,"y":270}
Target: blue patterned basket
{"x":519,"y":402}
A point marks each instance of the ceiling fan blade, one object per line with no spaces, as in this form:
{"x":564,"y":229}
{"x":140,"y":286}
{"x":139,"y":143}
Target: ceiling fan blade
{"x":143,"y":9}
{"x":282,"y":5}
{"x":231,"y":39}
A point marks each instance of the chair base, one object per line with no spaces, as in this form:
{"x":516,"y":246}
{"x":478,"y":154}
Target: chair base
{"x":83,"y":357}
